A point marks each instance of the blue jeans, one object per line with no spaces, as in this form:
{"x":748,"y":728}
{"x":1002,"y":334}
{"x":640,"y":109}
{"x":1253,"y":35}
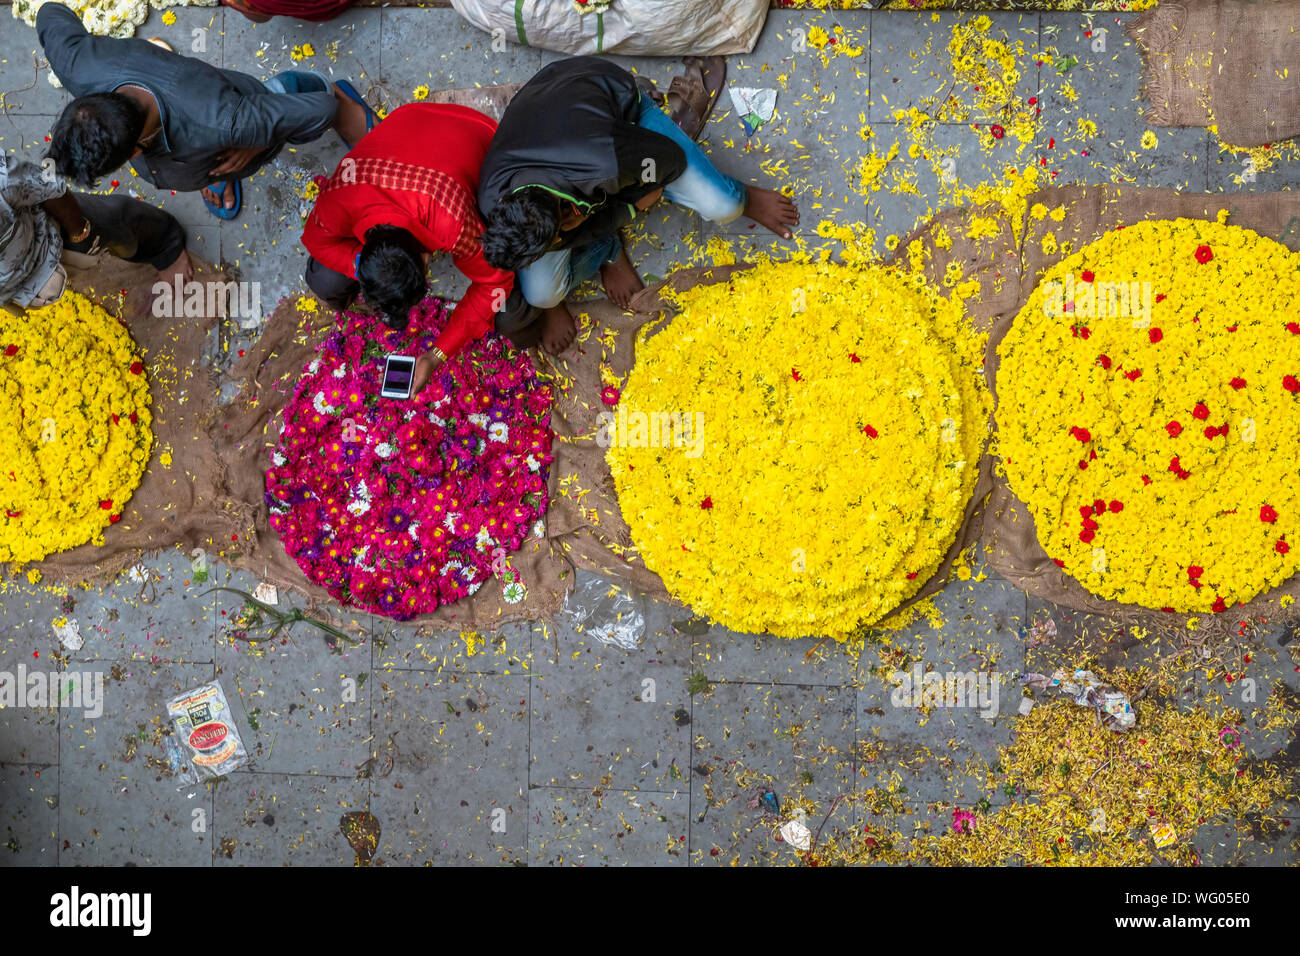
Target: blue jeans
{"x":303,"y":81}
{"x":701,"y":188}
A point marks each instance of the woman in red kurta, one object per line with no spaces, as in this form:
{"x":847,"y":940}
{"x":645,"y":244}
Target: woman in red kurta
{"x":405,"y":191}
{"x":315,"y":11}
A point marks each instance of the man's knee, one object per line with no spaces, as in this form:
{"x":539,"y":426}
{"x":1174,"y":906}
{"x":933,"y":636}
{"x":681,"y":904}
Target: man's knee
{"x":542,"y":292}
{"x":333,"y":288}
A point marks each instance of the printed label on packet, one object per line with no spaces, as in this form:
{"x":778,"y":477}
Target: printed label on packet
{"x":1163,"y":834}
{"x":202,"y":719}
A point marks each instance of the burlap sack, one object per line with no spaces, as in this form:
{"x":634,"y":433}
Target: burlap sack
{"x":184,"y":504}
{"x":1010,"y":539}
{"x":1234,"y":63}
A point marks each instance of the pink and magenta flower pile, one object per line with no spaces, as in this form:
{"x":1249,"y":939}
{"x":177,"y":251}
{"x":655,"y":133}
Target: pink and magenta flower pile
{"x":401,"y":507}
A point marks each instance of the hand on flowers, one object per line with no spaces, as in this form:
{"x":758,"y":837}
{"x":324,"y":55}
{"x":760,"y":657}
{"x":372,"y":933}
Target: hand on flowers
{"x":424,"y":366}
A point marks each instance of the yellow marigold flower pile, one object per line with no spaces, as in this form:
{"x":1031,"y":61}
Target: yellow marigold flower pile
{"x":794,"y":452}
{"x":1149,"y":414}
{"x":74,"y":407}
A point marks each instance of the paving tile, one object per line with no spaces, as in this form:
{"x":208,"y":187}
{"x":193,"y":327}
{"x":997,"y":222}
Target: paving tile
{"x":29,"y":814}
{"x":450,"y":768}
{"x":120,"y":804}
{"x":606,"y":828}
{"x":264,"y":819}
{"x":304,"y":707}
{"x":26,"y":74}
{"x":611,"y":718}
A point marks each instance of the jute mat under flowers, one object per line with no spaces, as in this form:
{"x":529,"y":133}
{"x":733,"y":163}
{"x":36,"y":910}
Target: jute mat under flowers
{"x":182,"y":503}
{"x":1230,"y":63}
{"x":1010,"y":540}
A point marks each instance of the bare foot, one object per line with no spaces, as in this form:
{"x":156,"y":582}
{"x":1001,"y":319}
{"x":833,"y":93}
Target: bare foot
{"x":769,"y":208}
{"x":350,"y":120}
{"x":226,"y":199}
{"x":620,"y":280}
{"x":558,"y":329}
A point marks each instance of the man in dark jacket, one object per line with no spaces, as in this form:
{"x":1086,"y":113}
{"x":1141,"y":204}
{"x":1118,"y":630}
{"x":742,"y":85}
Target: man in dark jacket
{"x":578,"y":153}
{"x":182,"y":123}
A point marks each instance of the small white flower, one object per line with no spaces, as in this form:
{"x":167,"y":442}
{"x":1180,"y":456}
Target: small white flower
{"x":482,"y":539}
{"x":314,"y":367}
{"x":278,"y":459}
{"x":479,"y":419}
{"x":533,"y":463}
{"x":440,"y":422}
{"x":513,"y":592}
{"x":413,"y":530}
{"x":498,"y":431}
{"x":473,"y":588}
{"x":539,"y":528}
{"x":449,"y":567}
{"x":319,"y":403}
{"x":340,"y":372}
{"x":449,"y":522}
{"x":358,"y":507}
{"x":384,"y":450}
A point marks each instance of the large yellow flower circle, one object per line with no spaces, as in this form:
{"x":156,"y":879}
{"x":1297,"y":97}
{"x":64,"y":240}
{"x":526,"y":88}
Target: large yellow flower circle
{"x":1154,"y":435}
{"x":74,"y":407}
{"x":832,"y":421}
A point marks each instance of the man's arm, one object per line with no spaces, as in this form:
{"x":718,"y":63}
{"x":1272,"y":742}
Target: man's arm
{"x":263,"y":120}
{"x":60,"y":33}
{"x":646,"y":161}
{"x":476,"y":312}
{"x":332,"y":249}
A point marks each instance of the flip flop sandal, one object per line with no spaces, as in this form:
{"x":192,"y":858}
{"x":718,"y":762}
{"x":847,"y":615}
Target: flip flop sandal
{"x":220,"y":211}
{"x":692,"y":95}
{"x":647,"y":86}
{"x":351,"y":93}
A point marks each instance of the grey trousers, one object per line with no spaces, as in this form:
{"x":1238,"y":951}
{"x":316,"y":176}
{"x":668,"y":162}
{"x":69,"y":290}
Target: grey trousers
{"x":131,"y":229}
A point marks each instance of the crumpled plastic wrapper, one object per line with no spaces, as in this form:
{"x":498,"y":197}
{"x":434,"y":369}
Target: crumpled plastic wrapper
{"x":608,"y":612}
{"x":1113,"y":706}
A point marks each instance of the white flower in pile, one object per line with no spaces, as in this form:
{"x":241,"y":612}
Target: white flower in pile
{"x":413,"y":530}
{"x":449,"y":567}
{"x":479,"y":419}
{"x":482,"y":539}
{"x":313,"y":367}
{"x":318,"y":402}
{"x":407,"y":416}
{"x":384,"y":450}
{"x":440,"y":422}
{"x":360,"y":502}
{"x":449,"y":522}
{"x":498,"y":431}
{"x":532,"y":463}
{"x":340,"y":372}
{"x":473,"y":588}
{"x":539,"y":529}
{"x":278,"y":459}
{"x":513,"y":592}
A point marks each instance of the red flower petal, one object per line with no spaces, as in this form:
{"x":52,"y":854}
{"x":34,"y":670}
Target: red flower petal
{"x":1293,"y":328}
{"x":707,"y":503}
{"x":1059,"y":562}
{"x":1204,"y":254}
{"x":870,"y":432}
{"x":11,"y":351}
{"x":1116,"y":507}
{"x":1098,"y":507}
{"x":997,"y":131}
{"x":1268,"y":514}
{"x":1155,"y":335}
{"x":1281,"y":547}
{"x":1132,"y":376}
{"x":1086,"y":536}
{"x":1174,"y":428}
{"x":1291,"y":383}
{"x":1104,"y":361}
{"x":1195,"y":571}
{"x":1087,"y":276}
{"x":853,"y":357}
{"x":114,"y":519}
{"x":136,"y":368}
{"x":794,"y":373}
{"x":1201,"y":411}
{"x":1238,"y":383}
{"x":107,"y":504}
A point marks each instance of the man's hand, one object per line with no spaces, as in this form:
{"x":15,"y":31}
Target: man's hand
{"x":424,"y":368}
{"x":235,"y":158}
{"x":648,"y":200}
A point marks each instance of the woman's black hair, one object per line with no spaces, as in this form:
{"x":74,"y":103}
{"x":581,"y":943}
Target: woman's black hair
{"x":94,"y":135}
{"x":521,"y":228}
{"x":392,"y":273}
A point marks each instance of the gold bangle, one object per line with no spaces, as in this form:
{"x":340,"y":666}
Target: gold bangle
{"x":439,"y":354}
{"x":83,"y":235}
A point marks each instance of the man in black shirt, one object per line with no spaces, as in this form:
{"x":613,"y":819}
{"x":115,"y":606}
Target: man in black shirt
{"x":578,"y":152}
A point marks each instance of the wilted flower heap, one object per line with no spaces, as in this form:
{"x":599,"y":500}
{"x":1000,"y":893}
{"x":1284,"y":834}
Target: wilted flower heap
{"x":74,"y":410}
{"x":842,"y":414}
{"x":400,"y":507}
{"x":1158,"y":456}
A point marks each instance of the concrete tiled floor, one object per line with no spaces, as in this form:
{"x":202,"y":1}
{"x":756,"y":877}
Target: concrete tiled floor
{"x":543,"y":746}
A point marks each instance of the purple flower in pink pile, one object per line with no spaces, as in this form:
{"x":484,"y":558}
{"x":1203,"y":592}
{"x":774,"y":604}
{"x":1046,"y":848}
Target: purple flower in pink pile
{"x":360,"y":490}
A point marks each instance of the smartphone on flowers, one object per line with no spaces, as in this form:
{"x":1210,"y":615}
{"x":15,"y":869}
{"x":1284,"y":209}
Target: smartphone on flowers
{"x":399,"y":376}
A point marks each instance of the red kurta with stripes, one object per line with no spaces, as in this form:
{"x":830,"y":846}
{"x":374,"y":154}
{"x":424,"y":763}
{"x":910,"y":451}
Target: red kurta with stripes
{"x":417,"y":170}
